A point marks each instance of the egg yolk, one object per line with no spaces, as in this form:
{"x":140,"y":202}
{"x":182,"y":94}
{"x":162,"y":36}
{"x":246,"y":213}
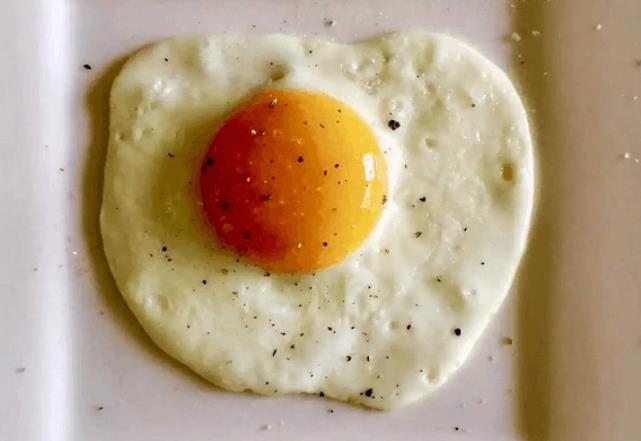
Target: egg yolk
{"x":294,"y":181}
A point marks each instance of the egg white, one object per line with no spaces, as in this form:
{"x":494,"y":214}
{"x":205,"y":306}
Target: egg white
{"x":378,"y":328}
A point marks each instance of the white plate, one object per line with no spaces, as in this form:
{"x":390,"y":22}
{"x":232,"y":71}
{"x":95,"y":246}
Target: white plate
{"x":76,"y":366}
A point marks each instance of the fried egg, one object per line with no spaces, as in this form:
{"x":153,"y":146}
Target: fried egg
{"x":292,"y":215}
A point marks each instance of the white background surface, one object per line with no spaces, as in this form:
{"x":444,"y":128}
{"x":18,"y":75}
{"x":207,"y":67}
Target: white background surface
{"x":574,"y":372}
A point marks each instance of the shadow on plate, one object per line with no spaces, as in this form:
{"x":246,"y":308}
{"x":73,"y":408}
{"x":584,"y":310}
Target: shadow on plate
{"x":537,"y":283}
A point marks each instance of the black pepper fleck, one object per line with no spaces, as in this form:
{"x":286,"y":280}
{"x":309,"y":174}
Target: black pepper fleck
{"x":300,"y":159}
{"x":393,"y":124}
{"x":171,"y":155}
{"x":87,"y":66}
{"x":408,"y":327}
{"x":274,"y":353}
{"x":457,"y":331}
{"x":267,"y":274}
{"x":369,"y":392}
{"x":164,"y":249}
{"x":422,"y":199}
{"x":348,"y":358}
{"x":418,"y":234}
{"x":204,"y":282}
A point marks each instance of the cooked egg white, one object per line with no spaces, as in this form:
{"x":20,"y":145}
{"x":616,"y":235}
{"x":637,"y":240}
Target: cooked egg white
{"x":393,"y":320}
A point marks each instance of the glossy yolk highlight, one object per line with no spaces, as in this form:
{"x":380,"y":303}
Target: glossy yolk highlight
{"x":294,"y":181}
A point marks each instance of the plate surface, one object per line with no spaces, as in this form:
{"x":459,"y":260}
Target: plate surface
{"x":76,"y":365}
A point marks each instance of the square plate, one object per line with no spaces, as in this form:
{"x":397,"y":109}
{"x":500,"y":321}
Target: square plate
{"x":77,"y":366}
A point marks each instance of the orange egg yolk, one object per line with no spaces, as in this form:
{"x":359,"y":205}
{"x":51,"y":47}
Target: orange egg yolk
{"x":294,"y":181}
